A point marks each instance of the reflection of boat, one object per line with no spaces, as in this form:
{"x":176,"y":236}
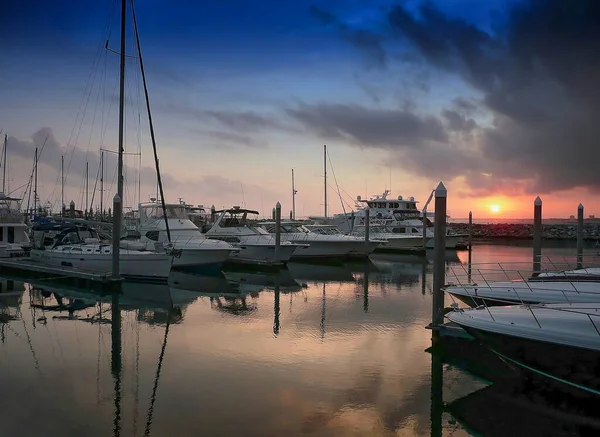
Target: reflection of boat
{"x":530,"y":413}
{"x":201,"y":284}
{"x":320,"y":272}
{"x":248,"y":280}
{"x":560,"y":342}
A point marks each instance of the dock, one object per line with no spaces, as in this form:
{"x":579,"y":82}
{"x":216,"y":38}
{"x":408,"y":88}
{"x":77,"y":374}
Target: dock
{"x":24,"y":266}
{"x":450,"y":329}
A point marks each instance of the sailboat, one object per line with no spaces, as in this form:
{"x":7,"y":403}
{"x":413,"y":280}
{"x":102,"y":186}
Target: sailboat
{"x":77,"y":248}
{"x":14,"y":240}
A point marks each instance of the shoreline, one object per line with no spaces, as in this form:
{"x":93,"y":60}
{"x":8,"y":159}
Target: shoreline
{"x":518,"y":231}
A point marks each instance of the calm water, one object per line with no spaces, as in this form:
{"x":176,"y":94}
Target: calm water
{"x":336,"y":351}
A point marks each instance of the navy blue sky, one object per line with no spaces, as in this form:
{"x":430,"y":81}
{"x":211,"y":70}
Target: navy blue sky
{"x":487,"y":95}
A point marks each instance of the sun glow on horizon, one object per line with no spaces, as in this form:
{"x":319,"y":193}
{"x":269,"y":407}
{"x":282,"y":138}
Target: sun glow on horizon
{"x":495,"y":208}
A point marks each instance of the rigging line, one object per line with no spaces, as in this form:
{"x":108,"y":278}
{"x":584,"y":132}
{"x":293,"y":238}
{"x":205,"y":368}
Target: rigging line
{"x":94,"y":190}
{"x":160,"y":185}
{"x":156,"y":378}
{"x":336,"y":183}
{"x":87,"y":95}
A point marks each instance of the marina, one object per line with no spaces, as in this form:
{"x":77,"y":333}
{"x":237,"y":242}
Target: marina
{"x":327,"y":350}
{"x":161,"y":274}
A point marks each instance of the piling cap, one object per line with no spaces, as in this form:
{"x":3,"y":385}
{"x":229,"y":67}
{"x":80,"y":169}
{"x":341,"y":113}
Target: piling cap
{"x":580,"y":206}
{"x":278,"y":205}
{"x":117,"y":198}
{"x":441,"y":191}
{"x":537,"y":201}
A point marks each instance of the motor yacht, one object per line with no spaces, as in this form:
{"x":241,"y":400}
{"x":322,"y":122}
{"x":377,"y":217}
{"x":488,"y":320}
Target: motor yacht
{"x":197,"y":251}
{"x":256,"y":245}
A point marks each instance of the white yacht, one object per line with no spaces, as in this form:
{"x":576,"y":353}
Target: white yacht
{"x":526,"y":292}
{"x":79,"y":247}
{"x":361,"y":249}
{"x":197,"y":251}
{"x":14,"y":240}
{"x":320,"y":246}
{"x":256,"y":245}
{"x":401,"y":216}
{"x":391,"y":241}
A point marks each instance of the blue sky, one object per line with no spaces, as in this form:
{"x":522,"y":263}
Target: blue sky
{"x":243,"y":91}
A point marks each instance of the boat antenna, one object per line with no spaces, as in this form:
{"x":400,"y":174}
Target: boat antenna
{"x":158,"y":177}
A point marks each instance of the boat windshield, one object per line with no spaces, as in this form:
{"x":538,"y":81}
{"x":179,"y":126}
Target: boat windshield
{"x":258,"y":230}
{"x":173,"y":211}
{"x":326,"y":231}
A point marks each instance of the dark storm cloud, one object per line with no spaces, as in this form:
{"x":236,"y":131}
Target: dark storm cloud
{"x":538,"y":75}
{"x":236,"y":120}
{"x":385,"y":128}
{"x":365,"y":40}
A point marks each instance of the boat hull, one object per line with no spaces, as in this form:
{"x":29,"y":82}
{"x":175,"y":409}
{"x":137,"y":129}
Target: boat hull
{"x":517,"y":293}
{"x":201,"y":259}
{"x":452,"y":242}
{"x":132,"y":266}
{"x":323,"y":249}
{"x":572,"y":366}
{"x":363,"y":249}
{"x":262,"y":254}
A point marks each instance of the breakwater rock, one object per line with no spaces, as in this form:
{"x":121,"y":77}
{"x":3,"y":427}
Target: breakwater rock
{"x":560,"y":231}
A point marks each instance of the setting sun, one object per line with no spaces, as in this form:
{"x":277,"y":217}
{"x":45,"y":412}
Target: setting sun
{"x":495,"y":208}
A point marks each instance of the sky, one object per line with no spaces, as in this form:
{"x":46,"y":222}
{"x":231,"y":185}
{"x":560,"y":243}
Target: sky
{"x":498,"y":99}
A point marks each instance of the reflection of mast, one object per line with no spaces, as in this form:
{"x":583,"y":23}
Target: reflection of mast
{"x":366,"y":289}
{"x":158,"y":368}
{"x":276,"y":308}
{"x":323,"y":301}
{"x":424,"y":278}
{"x":115,"y":364}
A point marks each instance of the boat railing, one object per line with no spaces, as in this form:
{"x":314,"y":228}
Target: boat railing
{"x":557,"y":268}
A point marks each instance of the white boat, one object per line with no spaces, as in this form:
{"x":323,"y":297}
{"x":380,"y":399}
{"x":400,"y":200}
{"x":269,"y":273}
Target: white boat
{"x":528,"y":292}
{"x":320,"y":246}
{"x":256,"y":245}
{"x":401,"y":216}
{"x":14,"y":240}
{"x":79,"y":247}
{"x":197,"y":251}
{"x":390,"y":240}
{"x":361,"y":249}
{"x":560,"y":342}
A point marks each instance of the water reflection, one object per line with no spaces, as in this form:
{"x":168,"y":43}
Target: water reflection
{"x":312,"y":350}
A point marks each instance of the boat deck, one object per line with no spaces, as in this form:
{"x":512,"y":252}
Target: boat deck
{"x":25,"y":266}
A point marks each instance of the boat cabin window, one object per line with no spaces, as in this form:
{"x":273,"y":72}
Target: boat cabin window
{"x":399,"y":230}
{"x":152,"y":235}
{"x":1,"y":234}
{"x":173,"y":211}
{"x":11,"y":234}
{"x":415,"y":231}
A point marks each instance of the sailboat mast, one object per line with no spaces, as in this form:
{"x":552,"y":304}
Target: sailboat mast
{"x":62,"y":184}
{"x":116,"y":231}
{"x":35,"y":195}
{"x":87,"y":184}
{"x":101,"y":185}
{"x":325,"y":172}
{"x":4,"y":165}
{"x":293,"y":197}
